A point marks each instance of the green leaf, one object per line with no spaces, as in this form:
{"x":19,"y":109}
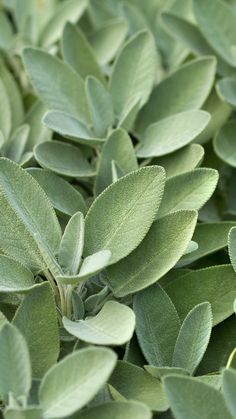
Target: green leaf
{"x":217,"y":23}
{"x":63,"y":159}
{"x":134,"y":383}
{"x":100,"y":329}
{"x":161,"y":249}
{"x":190,"y":398}
{"x":115,"y":214}
{"x":117,"y":410}
{"x":36,"y":318}
{"x":70,"y":11}
{"x":161,"y":372}
{"x":28,"y":222}
{"x":23,"y":413}
{"x":100,"y":105}
{"x":210,"y":237}
{"x":15,"y":370}
{"x":5,"y":110}
{"x":134,"y":72}
{"x":94,"y":263}
{"x":70,"y":127}
{"x":184,"y":90}
{"x":226,"y":89}
{"x":188,"y":191}
{"x":38,"y":132}
{"x":63,"y":196}
{"x":205,"y":285}
{"x":6,"y":32}
{"x":193,"y":338}
{"x":14,"y":277}
{"x":14,"y":148}
{"x":157,"y":340}
{"x":78,"y":53}
{"x":172,"y":133}
{"x":72,"y":244}
{"x":108,"y":38}
{"x":181,"y":161}
{"x":232,"y":247}
{"x":71,"y":384}
{"x":65,"y":92}
{"x":229,"y":390}
{"x":224,"y":143}
{"x":118,"y":148}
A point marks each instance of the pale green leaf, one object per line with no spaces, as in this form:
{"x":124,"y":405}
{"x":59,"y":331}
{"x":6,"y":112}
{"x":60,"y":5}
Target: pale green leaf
{"x":202,"y":285}
{"x":226,"y":89}
{"x":182,"y":161}
{"x":224,"y":143}
{"x":193,"y":338}
{"x":70,"y":127}
{"x":133,"y":74}
{"x":157,"y":341}
{"x":71,"y":384}
{"x":186,"y":89}
{"x":100,"y":105}
{"x":117,"y":410}
{"x":36,"y":318}
{"x":72,"y":243}
{"x":78,"y":53}
{"x":56,"y":83}
{"x":15,"y":369}
{"x":94,"y":263}
{"x":118,"y":148}
{"x":69,"y":11}
{"x":160,"y":250}
{"x":113,"y":325}
{"x":38,"y":132}
{"x":23,"y":413}
{"x":190,"y":398}
{"x":188,"y":191}
{"x":63,"y":196}
{"x":232,"y":247}
{"x":14,"y":277}
{"x":63,"y":159}
{"x":172,"y":133}
{"x":229,"y":390}
{"x":115,"y":215}
{"x":5,"y":110}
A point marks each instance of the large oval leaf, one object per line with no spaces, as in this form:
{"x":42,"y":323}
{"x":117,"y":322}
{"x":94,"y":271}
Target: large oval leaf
{"x":122,"y":215}
{"x":224,"y":143}
{"x":14,"y":277}
{"x":117,"y":410}
{"x":184,"y":90}
{"x":72,"y":383}
{"x":163,"y":246}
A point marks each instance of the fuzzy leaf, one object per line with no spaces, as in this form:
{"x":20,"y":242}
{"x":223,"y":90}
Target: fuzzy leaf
{"x":72,"y":244}
{"x":117,"y":410}
{"x":229,"y":390}
{"x":224,"y":143}
{"x":14,"y":277}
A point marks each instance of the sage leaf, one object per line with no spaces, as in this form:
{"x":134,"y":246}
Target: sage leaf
{"x":229,"y":382}
{"x":226,"y":89}
{"x":163,"y":246}
{"x":100,"y":329}
{"x":157,"y":342}
{"x":117,"y":410}
{"x":117,"y":220}
{"x":72,"y":244}
{"x":224,"y":144}
{"x":193,"y":338}
{"x":40,"y":328}
{"x":14,"y":277}
{"x":74,"y":381}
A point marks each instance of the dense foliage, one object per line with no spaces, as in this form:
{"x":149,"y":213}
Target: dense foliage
{"x":118,"y":209}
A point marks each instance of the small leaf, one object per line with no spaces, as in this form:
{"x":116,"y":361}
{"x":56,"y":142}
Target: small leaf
{"x":134,"y":383}
{"x":36,"y":318}
{"x":63,"y":159}
{"x":193,"y":338}
{"x":133,"y":74}
{"x":100,"y":105}
{"x":232,"y":247}
{"x":94,"y":263}
{"x":115,"y":214}
{"x":226,"y":89}
{"x":100,"y":329}
{"x":79,"y":54}
{"x":65,"y":92}
{"x":72,"y":244}
{"x":224,"y":144}
{"x":201,"y":285}
{"x":74,"y":381}
{"x":189,"y":191}
{"x":15,"y":370}
{"x":156,"y":340}
{"x":160,"y":250}
{"x":184,"y":90}
{"x":70,"y":127}
{"x":118,"y":148}
{"x":172,"y":133}
{"x":23,"y":413}
{"x":190,"y":398}
{"x":38,"y":132}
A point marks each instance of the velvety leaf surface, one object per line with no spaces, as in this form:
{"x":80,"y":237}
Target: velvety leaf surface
{"x":14,"y":277}
{"x":224,"y":144}
{"x":229,"y":386}
{"x":117,"y":410}
{"x":72,"y":244}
